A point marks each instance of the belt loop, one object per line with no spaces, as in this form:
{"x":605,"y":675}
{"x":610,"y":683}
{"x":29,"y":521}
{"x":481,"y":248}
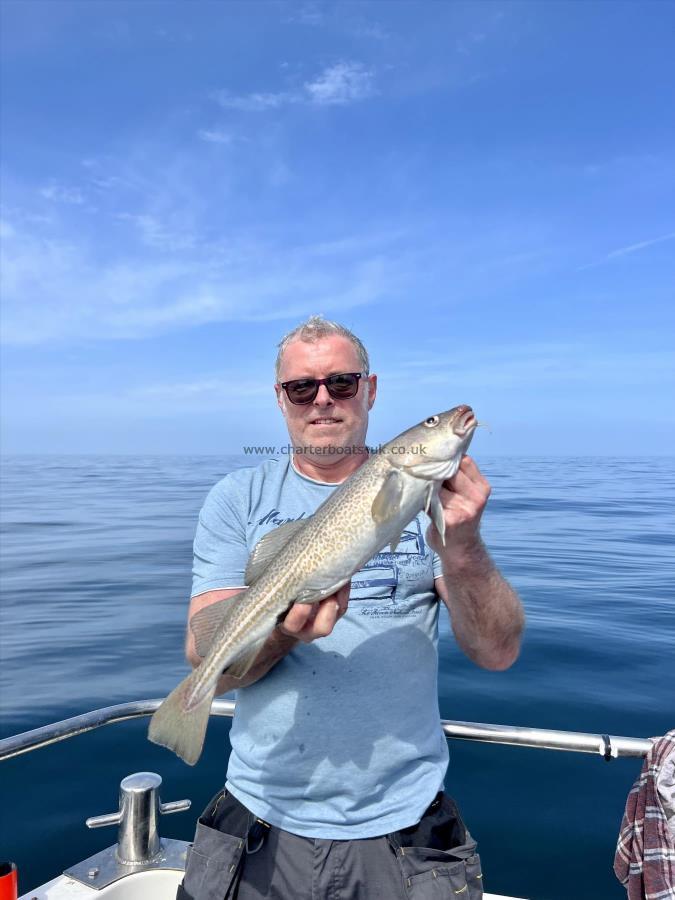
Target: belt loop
{"x":394,"y":841}
{"x":258,"y":831}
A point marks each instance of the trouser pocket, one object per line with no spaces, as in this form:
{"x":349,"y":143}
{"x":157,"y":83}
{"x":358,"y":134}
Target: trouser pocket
{"x":437,"y":857}
{"x":440,"y":876}
{"x":213,"y":862}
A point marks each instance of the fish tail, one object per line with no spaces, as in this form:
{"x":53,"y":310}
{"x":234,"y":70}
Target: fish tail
{"x":180,"y":724}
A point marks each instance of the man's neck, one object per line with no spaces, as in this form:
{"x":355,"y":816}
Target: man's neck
{"x":333,"y":472}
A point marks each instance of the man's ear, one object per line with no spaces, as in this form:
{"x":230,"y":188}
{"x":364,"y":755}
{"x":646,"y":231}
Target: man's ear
{"x":279,"y":391}
{"x":372,"y":390}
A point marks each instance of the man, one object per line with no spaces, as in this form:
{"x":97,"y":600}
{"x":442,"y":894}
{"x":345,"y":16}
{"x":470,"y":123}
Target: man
{"x":338,"y":758}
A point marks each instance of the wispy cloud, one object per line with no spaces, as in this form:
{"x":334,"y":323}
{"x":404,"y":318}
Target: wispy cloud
{"x":312,"y":14}
{"x":207,"y":389}
{"x":340,"y":84}
{"x":157,"y":234}
{"x":215,"y":136}
{"x":56,"y":289}
{"x":60,"y":193}
{"x":337,"y":85}
{"x":256,"y":102}
{"x":340,"y":19}
{"x":157,"y":399}
{"x":630,"y":248}
{"x":579,"y":365}
{"x":361,"y":28}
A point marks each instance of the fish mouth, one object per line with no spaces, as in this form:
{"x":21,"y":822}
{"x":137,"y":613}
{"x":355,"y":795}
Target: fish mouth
{"x":466,"y":421}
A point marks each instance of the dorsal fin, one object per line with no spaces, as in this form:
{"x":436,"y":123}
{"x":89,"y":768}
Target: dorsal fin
{"x":268,"y":547}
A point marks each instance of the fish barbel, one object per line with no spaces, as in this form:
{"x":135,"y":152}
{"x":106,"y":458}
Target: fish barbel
{"x":308,"y":560}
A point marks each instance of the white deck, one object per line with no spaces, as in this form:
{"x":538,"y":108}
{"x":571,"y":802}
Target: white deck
{"x":156,"y":885}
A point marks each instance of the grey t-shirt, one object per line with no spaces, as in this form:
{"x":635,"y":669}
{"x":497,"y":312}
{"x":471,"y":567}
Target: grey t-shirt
{"x":342,"y":738}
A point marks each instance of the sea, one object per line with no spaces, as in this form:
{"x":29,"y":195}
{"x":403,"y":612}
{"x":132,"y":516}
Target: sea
{"x":96,"y":559}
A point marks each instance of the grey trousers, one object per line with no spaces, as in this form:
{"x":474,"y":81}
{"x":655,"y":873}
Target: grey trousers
{"x":238,"y":857}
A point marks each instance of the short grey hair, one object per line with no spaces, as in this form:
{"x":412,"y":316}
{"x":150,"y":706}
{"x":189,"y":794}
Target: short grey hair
{"x":316,"y":328}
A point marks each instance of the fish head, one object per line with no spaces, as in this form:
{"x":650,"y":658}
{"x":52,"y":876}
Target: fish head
{"x":434,"y":449}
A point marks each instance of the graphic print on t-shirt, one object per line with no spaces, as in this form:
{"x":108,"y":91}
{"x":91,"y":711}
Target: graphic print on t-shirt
{"x":377,"y":584}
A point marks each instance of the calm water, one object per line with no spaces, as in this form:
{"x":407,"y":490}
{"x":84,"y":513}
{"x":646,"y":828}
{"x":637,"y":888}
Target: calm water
{"x":96,"y":559}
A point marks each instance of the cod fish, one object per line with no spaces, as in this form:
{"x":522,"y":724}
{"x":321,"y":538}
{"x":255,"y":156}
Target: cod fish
{"x":308,"y":560}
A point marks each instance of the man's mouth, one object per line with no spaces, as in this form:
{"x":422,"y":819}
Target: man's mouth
{"x":325,"y":420}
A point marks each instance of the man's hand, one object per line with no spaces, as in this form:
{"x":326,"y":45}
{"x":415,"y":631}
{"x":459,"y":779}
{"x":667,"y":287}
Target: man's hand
{"x":463,"y":499}
{"x":308,"y":621}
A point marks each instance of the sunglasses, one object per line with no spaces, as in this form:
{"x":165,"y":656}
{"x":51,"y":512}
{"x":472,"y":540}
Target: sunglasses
{"x":340,"y":387}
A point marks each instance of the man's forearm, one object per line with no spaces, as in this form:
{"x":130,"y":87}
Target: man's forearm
{"x":486,"y":613}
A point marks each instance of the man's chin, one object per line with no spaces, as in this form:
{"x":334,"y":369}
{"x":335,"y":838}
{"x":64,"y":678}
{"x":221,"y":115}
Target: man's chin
{"x":325,"y":450}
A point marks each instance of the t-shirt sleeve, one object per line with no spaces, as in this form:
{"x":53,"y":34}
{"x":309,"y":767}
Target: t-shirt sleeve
{"x":220,"y":549}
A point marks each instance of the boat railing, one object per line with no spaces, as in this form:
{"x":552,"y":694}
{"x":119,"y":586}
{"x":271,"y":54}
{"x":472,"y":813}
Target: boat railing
{"x":605,"y":745}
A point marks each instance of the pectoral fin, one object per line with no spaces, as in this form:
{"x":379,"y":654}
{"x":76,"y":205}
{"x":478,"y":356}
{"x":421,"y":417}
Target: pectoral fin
{"x":207,"y":621}
{"x":387,"y":503}
{"x":428,"y":497}
{"x":268,"y":547}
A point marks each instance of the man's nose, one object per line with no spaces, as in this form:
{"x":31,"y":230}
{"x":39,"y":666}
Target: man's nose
{"x":323,"y":398}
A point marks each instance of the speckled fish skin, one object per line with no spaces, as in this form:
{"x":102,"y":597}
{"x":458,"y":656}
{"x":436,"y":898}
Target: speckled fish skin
{"x":321,"y":556}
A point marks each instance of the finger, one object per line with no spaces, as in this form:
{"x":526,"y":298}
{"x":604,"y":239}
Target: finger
{"x":461,"y":486}
{"x":471,"y":470}
{"x":342,"y":597}
{"x":326,"y":617}
{"x":460,"y":483}
{"x":470,"y":487}
{"x":298,"y":616}
{"x":460,"y":510}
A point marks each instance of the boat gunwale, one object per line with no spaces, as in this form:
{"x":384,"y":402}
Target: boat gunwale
{"x":604,"y":745}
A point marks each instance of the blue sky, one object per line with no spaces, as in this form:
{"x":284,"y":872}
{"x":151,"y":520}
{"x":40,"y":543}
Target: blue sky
{"x":484,"y":192}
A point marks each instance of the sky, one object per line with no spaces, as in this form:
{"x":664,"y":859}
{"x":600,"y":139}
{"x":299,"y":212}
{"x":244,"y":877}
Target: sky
{"x":484,"y":192}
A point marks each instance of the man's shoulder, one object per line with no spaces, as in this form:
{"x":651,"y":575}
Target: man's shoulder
{"x":243,"y":479}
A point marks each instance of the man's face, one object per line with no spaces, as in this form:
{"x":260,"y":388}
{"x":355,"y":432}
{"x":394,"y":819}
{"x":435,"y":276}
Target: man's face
{"x":325,"y":422}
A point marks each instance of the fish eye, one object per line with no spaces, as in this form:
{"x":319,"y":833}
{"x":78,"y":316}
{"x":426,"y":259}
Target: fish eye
{"x":431,"y":422}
